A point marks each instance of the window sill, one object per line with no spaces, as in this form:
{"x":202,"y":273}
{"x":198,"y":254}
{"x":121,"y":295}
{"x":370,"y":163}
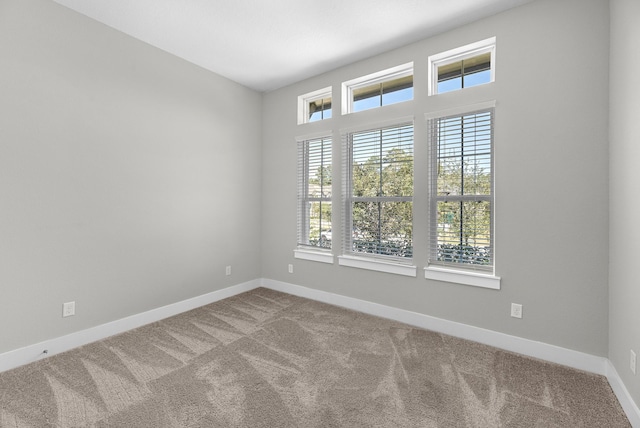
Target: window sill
{"x":377,"y":265}
{"x":314,"y":256}
{"x":461,"y":277}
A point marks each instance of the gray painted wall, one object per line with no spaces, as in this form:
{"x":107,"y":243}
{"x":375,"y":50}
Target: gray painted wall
{"x":129,"y":178}
{"x":624,"y":187}
{"x":551,"y":177}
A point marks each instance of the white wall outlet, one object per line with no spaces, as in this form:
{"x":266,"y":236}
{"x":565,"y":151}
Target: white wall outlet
{"x":632,"y":361}
{"x":516,"y":310}
{"x":290,"y":268}
{"x":228,"y":270}
{"x":68,"y":309}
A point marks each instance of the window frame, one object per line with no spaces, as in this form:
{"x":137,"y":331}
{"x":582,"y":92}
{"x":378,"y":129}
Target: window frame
{"x":379,"y":262}
{"x":387,"y":75}
{"x":370,"y":261}
{"x":474,"y":275}
{"x":306,"y":99}
{"x":308,"y":251}
{"x":461,"y":53}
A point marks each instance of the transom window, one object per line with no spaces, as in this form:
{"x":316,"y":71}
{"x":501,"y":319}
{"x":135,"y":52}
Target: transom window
{"x":379,"y":89}
{"x":463,"y":67}
{"x":464,"y":73}
{"x":315,"y":106}
{"x":319,"y":109}
{"x":461,"y":195}
{"x":379,"y":192}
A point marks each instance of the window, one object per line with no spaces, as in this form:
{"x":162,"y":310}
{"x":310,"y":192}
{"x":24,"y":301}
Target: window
{"x":314,"y":193}
{"x":314,"y":106}
{"x":374,"y":215}
{"x":464,"y":73}
{"x":378,"y":218}
{"x":461,"y":190}
{"x":467,"y":66}
{"x":379,"y":89}
{"x":319,"y":109}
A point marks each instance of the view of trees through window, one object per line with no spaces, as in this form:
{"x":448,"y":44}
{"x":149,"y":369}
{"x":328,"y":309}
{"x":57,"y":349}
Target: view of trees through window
{"x":320,"y":212}
{"x":382,"y":191}
{"x":375,"y":204}
{"x":380,"y":202}
{"x":463,"y":190}
{"x":315,"y":179}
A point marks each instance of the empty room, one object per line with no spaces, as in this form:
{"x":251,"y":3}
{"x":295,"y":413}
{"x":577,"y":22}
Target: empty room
{"x":314,"y":214}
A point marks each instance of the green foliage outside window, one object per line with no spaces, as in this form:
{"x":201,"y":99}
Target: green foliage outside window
{"x":382,"y":189}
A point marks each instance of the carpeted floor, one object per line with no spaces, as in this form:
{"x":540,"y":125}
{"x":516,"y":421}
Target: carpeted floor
{"x":268,"y":359}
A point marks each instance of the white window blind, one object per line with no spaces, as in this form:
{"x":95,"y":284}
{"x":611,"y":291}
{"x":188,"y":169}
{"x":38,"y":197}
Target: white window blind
{"x":378,"y":191}
{"x":461,"y":190}
{"x":314,"y":193}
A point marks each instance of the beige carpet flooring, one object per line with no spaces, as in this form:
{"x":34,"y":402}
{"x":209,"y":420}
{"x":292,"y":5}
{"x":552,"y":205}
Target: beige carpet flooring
{"x":268,"y":359}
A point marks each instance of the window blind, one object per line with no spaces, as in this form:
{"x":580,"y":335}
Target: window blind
{"x":378,"y":217}
{"x":314,"y":193}
{"x":461,"y":190}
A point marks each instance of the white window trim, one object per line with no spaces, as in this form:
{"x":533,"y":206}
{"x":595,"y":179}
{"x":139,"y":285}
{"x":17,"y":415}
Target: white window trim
{"x":457,"y":54}
{"x":386,"y":123}
{"x":371,"y":79}
{"x":310,"y":252}
{"x":314,"y":256}
{"x":461,"y":277}
{"x":455,"y":111}
{"x":314,"y":136}
{"x":372,"y":261}
{"x":377,"y":265}
{"x":305,"y":99}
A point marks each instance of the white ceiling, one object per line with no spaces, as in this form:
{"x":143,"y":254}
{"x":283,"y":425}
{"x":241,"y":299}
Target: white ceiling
{"x":267,"y":44}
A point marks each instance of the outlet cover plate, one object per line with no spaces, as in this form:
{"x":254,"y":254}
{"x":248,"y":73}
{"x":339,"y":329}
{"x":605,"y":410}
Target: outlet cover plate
{"x":632,"y":361}
{"x":68,"y":309}
{"x":516,"y":310}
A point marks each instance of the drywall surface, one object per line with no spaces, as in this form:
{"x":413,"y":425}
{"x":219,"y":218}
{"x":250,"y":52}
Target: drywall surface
{"x":129,"y":178}
{"x":551,"y":177}
{"x":624,"y":187}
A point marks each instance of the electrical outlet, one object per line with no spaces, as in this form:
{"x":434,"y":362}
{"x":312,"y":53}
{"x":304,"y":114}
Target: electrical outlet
{"x":516,"y":310}
{"x":68,"y":309}
{"x":632,"y":362}
{"x":290,"y":268}
{"x":228,"y":270}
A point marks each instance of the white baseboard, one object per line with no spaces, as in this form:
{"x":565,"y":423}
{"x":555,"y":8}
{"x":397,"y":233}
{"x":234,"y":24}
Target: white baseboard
{"x":543,"y":351}
{"x":627,"y":403}
{"x":531,"y":348}
{"x":32,"y":353}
